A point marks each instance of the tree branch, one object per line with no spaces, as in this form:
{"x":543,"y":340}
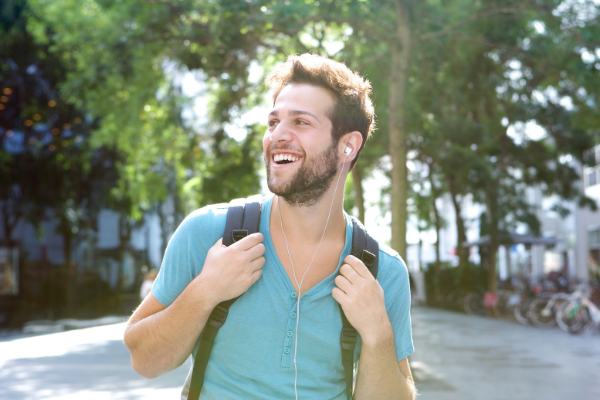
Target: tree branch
{"x":372,"y":60}
{"x":175,"y":9}
{"x":484,"y":14}
{"x":513,"y":49}
{"x":548,"y":11}
{"x":354,"y":23}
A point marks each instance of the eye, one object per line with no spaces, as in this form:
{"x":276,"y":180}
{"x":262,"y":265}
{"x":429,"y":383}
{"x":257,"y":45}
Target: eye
{"x":301,"y":122}
{"x":273,"y":122}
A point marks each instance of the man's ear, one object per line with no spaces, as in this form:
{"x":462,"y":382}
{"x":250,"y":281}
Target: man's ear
{"x":352,"y":141}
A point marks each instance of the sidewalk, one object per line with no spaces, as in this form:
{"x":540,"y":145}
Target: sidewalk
{"x":462,"y":357}
{"x":40,"y":327}
{"x":90,"y":363}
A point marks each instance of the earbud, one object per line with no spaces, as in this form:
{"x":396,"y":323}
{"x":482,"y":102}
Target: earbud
{"x":348,"y":150}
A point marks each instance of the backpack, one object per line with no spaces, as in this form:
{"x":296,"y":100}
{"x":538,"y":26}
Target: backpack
{"x":243,"y":219}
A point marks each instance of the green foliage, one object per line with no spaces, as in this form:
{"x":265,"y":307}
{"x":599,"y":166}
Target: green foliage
{"x":474,"y":63}
{"x":468,"y":80}
{"x":46,"y":164}
{"x":447,"y":286}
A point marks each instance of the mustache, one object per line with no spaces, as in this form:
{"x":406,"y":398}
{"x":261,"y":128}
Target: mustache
{"x":275,"y":146}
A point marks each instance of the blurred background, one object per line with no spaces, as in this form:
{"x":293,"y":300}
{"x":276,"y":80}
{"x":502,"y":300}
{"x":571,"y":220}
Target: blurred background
{"x":120,"y":117}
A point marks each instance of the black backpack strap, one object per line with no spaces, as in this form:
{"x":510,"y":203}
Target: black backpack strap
{"x":366,"y":249}
{"x":348,"y":344}
{"x":243,"y":219}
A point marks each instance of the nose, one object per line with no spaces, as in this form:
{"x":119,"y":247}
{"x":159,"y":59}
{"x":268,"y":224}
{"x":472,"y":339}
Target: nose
{"x":281,"y":133}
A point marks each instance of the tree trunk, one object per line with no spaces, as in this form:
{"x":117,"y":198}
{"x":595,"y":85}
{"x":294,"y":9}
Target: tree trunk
{"x":9,"y":225}
{"x":164,"y":231}
{"x":400,"y":49}
{"x":420,"y":252}
{"x":492,"y":271}
{"x":493,"y":249}
{"x":124,"y":239}
{"x":69,"y":274}
{"x":358,"y":189}
{"x":436,"y":216}
{"x":461,"y":252}
{"x":438,"y":228}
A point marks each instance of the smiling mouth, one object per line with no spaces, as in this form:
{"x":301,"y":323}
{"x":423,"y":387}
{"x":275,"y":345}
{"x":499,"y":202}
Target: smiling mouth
{"x":283,"y":159}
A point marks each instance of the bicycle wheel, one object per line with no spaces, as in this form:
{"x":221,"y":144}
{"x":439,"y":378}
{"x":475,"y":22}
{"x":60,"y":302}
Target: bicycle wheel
{"x":473,"y":304}
{"x":520,"y":311}
{"x":563,"y":318}
{"x":538,"y":317}
{"x":575,"y":317}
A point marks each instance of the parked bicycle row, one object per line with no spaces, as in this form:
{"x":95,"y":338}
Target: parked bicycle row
{"x":544,"y":306}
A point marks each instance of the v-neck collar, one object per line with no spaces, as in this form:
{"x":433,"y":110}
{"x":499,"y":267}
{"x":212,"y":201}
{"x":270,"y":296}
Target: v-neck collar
{"x":266,"y":221}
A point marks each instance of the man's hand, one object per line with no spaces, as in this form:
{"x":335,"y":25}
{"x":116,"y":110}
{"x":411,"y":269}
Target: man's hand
{"x":230,"y":271}
{"x":361,"y":298}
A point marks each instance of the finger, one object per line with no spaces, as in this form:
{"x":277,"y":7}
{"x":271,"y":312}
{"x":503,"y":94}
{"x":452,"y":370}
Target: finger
{"x":256,"y":251}
{"x":257,"y":264}
{"x":339,"y":295}
{"x":360,"y":267}
{"x":343,"y":284}
{"x":248,"y":242}
{"x":349,"y":273}
{"x":255,"y":276}
{"x":219,"y":243}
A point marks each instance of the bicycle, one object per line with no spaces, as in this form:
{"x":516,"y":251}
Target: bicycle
{"x":582,"y":311}
{"x":543,"y":310}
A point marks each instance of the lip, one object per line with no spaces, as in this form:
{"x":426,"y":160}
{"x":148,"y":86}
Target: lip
{"x":276,"y":166}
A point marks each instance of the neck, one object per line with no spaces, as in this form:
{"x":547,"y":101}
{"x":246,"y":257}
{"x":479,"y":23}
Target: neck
{"x":306,"y":223}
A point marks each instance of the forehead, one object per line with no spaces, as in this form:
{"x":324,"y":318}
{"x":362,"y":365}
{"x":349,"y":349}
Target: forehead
{"x":314,"y":99}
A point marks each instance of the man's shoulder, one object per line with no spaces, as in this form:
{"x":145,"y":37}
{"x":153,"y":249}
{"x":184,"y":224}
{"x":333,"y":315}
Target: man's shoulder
{"x":204,"y":218}
{"x":208,"y":211}
{"x":391,"y":265}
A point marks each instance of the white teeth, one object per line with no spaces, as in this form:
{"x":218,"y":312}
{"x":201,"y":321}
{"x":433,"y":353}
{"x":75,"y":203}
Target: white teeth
{"x":281,"y":157}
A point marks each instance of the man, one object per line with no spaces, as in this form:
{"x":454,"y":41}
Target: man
{"x":321,"y":118}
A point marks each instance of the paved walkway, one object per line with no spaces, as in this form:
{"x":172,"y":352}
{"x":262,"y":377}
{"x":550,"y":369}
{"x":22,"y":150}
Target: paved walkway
{"x":90,"y":364}
{"x":460,"y":357}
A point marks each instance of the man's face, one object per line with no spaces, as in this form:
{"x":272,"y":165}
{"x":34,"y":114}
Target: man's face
{"x":299,"y":151}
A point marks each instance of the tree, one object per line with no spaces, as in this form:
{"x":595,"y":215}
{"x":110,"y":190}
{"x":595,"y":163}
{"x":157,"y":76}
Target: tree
{"x":120,"y":55}
{"x":41,"y":136}
{"x":473,"y":96}
{"x":123,"y":72}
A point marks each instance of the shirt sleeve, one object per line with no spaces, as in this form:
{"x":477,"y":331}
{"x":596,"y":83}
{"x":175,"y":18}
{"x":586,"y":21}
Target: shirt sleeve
{"x":184,"y":256}
{"x":396,"y":288}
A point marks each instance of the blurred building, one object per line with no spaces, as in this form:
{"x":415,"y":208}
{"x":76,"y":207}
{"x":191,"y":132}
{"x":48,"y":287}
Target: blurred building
{"x":103,"y":277}
{"x":576,"y":247}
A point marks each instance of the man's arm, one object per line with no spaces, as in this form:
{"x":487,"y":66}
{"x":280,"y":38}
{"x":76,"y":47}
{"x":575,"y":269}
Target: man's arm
{"x":161,"y":338}
{"x":379,"y":376}
{"x":362,"y":299}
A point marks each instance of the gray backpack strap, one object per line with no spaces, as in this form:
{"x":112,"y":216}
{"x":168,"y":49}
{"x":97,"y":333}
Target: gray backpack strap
{"x":365,"y":248}
{"x":243,"y":219}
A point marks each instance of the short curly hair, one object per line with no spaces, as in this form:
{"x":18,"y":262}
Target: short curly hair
{"x":353,"y":110}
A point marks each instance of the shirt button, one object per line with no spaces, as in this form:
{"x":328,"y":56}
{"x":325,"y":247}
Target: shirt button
{"x":293,"y":315}
{"x":293,"y":294}
{"x":290,"y":333}
{"x":286,"y":350}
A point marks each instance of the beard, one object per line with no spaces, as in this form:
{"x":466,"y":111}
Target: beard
{"x":310,"y":182}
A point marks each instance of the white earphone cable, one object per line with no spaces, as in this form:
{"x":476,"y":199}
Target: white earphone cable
{"x":309,"y":265}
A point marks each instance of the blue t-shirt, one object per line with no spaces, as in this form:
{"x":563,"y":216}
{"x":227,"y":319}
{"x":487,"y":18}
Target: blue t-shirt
{"x":253,"y":354}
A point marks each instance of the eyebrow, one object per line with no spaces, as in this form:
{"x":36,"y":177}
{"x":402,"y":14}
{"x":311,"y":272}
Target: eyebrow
{"x":295,"y":113}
